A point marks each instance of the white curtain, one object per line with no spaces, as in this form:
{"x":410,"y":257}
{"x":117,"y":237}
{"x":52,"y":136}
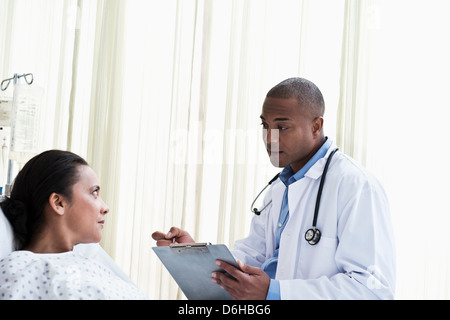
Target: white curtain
{"x":355,"y":76}
{"x":407,"y":133}
{"x":163,"y":99}
{"x":188,"y":149}
{"x":392,"y":117}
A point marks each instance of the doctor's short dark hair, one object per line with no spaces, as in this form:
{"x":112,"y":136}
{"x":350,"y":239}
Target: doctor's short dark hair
{"x":52,"y":171}
{"x":306,"y":92}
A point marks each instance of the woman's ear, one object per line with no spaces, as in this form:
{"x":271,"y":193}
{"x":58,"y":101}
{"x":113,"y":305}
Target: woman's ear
{"x":57,"y":203}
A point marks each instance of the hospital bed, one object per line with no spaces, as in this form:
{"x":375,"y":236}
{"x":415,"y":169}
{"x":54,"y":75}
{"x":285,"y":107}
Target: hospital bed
{"x":91,"y":250}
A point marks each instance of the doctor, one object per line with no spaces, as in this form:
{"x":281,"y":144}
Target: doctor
{"x":354,"y":258}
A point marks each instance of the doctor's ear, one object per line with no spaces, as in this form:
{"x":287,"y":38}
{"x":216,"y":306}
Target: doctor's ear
{"x":58,"y":203}
{"x":317,"y":125}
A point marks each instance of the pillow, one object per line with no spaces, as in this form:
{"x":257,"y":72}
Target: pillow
{"x":96,"y":252}
{"x":6,"y":236}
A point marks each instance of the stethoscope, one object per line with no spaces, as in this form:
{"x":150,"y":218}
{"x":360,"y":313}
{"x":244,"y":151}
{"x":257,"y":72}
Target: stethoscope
{"x":312,"y":236}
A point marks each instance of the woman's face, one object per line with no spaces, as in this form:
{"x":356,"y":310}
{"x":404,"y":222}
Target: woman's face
{"x":86,"y":212}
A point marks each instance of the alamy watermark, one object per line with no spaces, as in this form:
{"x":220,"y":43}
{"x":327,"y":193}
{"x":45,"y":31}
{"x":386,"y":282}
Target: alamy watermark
{"x":228,"y":146}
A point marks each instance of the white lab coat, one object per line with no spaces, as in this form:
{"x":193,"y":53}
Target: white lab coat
{"x":355,"y":257}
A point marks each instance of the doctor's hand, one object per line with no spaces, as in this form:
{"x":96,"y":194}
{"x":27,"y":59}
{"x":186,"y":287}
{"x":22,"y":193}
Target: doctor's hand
{"x":250,"y":283}
{"x":175,"y":235}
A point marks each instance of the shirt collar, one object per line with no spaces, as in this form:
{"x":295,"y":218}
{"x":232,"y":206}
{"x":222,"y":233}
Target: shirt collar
{"x":288,"y":176}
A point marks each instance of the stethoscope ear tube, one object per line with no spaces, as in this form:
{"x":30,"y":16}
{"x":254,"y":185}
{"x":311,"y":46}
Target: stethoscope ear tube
{"x":255,"y":210}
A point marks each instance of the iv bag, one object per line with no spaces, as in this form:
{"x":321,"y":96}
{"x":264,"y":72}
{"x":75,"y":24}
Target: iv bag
{"x":6,"y":106}
{"x":25,"y":122}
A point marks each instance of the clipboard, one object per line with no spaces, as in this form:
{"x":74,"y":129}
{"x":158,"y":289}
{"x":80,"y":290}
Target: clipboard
{"x":191,"y":266}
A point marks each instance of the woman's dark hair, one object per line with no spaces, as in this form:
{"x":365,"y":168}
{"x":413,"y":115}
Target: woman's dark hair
{"x":52,"y":171}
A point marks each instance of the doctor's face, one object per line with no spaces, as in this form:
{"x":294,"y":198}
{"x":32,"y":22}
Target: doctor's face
{"x":289,"y":133}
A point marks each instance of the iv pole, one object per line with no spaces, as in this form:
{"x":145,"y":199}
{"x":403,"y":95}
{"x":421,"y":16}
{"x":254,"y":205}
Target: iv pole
{"x":5,"y":83}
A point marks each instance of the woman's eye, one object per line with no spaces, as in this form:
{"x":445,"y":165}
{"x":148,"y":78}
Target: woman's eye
{"x":95,"y":193}
{"x":264,"y":125}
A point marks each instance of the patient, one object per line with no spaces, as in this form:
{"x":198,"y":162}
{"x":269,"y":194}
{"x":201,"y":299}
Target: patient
{"x":54,"y":205}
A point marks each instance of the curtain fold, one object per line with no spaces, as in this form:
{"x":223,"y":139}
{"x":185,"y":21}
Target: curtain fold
{"x":352,"y":120}
{"x":106,"y":107}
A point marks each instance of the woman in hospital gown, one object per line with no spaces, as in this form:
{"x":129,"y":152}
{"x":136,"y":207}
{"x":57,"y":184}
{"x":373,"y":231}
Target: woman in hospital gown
{"x":54,"y":205}
{"x":66,"y":276}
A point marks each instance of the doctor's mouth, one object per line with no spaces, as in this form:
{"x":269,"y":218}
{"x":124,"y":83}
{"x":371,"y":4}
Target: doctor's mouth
{"x":275,"y":155}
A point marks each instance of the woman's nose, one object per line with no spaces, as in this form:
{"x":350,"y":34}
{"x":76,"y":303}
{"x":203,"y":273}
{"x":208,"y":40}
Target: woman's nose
{"x":105,"y":208}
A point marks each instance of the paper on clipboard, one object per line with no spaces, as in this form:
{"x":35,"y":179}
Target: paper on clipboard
{"x":191,"y":266}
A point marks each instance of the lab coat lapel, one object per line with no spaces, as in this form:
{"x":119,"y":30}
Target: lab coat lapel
{"x":272,"y":219}
{"x":290,"y":238}
{"x":303,"y":189}
{"x":317,"y":169}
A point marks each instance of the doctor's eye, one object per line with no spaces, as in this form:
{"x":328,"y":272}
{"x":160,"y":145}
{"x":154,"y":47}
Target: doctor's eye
{"x":264,"y":125}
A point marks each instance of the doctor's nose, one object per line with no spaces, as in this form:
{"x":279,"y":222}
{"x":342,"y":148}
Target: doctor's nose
{"x":271,"y":136}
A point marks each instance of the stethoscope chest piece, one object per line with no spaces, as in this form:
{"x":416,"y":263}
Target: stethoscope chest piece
{"x":312,"y":236}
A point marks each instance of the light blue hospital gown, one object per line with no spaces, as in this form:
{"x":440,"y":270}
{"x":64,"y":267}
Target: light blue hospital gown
{"x":26,"y":275}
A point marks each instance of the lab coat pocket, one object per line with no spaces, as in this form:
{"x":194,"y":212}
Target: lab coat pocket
{"x":318,"y":260}
{"x":328,"y":242}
